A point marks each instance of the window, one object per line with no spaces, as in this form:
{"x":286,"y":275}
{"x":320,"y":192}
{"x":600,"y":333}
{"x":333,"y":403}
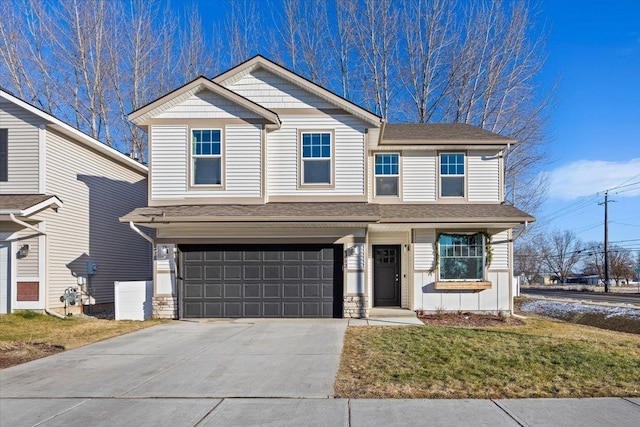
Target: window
{"x":461,"y":256}
{"x":4,"y":154}
{"x":206,"y":157}
{"x":316,"y":157}
{"x":452,"y":175}
{"x":386,"y":173}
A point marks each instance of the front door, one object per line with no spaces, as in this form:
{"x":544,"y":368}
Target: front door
{"x":386,"y":276}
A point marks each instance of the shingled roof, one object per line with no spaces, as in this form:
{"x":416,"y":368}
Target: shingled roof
{"x":420,"y":133}
{"x":27,"y":204}
{"x":331,"y":212}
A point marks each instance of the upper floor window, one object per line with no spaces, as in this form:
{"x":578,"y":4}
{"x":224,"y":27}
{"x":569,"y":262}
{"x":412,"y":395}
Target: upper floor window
{"x":316,"y":157}
{"x":206,"y":157}
{"x":461,"y":256}
{"x":4,"y":154}
{"x":451,"y":175}
{"x":387,"y":174}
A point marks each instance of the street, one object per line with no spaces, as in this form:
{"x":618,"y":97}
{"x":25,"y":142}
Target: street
{"x":613,"y":298}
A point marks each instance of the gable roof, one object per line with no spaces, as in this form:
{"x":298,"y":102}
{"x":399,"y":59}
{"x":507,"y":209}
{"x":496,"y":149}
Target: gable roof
{"x":440,"y":133}
{"x":260,"y":62}
{"x":75,"y":134}
{"x":27,"y":204}
{"x":178,"y":95}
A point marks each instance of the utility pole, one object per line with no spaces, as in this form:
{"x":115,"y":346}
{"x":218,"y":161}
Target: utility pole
{"x":606,"y":241}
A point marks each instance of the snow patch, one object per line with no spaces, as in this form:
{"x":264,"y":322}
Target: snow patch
{"x":565,"y":309}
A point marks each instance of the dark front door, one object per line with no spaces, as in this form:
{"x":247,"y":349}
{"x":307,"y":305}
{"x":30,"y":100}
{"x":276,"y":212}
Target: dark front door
{"x":386,"y":276}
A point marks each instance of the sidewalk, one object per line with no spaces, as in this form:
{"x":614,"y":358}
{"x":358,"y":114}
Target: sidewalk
{"x":71,"y":412}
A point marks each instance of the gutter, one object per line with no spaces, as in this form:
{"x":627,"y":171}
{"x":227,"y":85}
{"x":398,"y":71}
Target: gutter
{"x":46,"y":282}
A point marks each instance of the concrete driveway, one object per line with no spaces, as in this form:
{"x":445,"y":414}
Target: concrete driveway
{"x":206,"y":359}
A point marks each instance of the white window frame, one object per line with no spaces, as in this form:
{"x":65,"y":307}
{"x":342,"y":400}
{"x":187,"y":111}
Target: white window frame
{"x":482,"y":256}
{"x":303,"y":159}
{"x":206,"y":156}
{"x":456,"y":175}
{"x":376,"y":175}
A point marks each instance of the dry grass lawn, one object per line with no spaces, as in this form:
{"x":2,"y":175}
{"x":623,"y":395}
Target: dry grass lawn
{"x":27,"y":336}
{"x":541,"y":358}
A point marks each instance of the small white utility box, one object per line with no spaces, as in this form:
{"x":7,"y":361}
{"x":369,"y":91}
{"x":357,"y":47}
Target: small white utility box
{"x":133,"y":300}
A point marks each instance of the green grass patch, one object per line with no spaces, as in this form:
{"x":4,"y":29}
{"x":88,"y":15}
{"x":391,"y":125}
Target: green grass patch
{"x":540,"y":359}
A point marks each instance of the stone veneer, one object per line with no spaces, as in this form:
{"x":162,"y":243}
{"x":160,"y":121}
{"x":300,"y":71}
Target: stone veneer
{"x":165,"y":307}
{"x":356,"y":306}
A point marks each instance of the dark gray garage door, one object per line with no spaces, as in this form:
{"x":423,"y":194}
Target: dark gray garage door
{"x":261,"y":281}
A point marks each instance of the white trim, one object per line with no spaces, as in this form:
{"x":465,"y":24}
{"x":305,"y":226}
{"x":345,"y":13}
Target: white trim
{"x":193,"y":157}
{"x":42,"y":159}
{"x":78,"y":135}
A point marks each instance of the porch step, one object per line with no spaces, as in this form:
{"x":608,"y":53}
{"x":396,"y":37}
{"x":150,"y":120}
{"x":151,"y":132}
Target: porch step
{"x":378,"y":312}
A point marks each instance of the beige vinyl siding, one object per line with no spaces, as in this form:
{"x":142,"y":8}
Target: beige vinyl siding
{"x":423,"y":250}
{"x":96,"y":191}
{"x":23,"y":160}
{"x":484,"y":177}
{"x":500,"y":250}
{"x":28,"y":267}
{"x":206,"y":105}
{"x":418,"y":176}
{"x":242,"y":159}
{"x":168,"y":168}
{"x":271,"y":91}
{"x":349,"y":152}
{"x":243,"y":162}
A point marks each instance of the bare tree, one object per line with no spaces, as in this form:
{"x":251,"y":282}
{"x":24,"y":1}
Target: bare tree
{"x":621,"y":264}
{"x":594,"y":259}
{"x":342,"y":43}
{"x":427,"y":29}
{"x":241,"y":30}
{"x":376,"y":27}
{"x":527,"y":261}
{"x":561,"y":252}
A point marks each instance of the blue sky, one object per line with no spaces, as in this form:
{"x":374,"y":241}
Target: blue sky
{"x":594,"y":56}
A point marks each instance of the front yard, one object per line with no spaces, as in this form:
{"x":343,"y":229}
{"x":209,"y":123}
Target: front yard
{"x":541,"y":358}
{"x":27,"y":336}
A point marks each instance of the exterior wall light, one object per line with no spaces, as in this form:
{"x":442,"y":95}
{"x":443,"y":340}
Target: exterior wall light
{"x":23,"y":251}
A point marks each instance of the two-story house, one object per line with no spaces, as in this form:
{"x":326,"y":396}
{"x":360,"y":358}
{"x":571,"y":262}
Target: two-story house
{"x":61,"y":194}
{"x":271,"y":196}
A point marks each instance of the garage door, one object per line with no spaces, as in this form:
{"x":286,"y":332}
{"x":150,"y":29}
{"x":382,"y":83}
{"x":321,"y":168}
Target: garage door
{"x":261,"y":281}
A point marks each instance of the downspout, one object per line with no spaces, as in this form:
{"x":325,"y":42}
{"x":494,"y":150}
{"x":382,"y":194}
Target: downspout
{"x":13,"y":218}
{"x":141,"y":233}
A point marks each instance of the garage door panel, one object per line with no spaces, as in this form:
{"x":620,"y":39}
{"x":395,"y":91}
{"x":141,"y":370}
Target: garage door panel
{"x":271,"y":291}
{"x":232,"y":272}
{"x":291,"y":291}
{"x":193,"y":272}
{"x":311,"y":272}
{"x":193,"y":309}
{"x":252,"y":290}
{"x":292,"y":272}
{"x":193,"y":256}
{"x":272,"y":309}
{"x":212,"y":256}
{"x":212,"y":272}
{"x":232,"y":256}
{"x":261,"y":281}
{"x":232,"y":290}
{"x":213,"y":309}
{"x":252,"y":272}
{"x":252,"y":309}
{"x":193,"y":290}
{"x":213,"y":290}
{"x":311,"y":309}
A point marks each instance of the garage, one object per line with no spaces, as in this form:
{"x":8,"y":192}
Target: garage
{"x":291,"y":281}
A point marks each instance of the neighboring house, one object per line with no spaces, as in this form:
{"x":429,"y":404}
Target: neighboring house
{"x":61,"y":193}
{"x":271,"y":196}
